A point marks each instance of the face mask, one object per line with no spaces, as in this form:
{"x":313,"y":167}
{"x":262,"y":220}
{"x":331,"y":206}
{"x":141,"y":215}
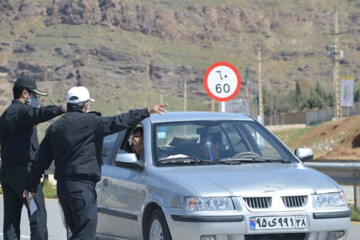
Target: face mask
{"x":208,"y":145}
{"x":34,"y":102}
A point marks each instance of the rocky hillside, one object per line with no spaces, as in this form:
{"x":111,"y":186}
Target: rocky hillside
{"x":128,"y":52}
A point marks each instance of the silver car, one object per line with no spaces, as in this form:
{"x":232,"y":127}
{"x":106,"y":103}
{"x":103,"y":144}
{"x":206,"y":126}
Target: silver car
{"x":214,"y":176}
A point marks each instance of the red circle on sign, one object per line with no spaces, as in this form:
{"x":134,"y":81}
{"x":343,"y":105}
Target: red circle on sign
{"x":206,"y":81}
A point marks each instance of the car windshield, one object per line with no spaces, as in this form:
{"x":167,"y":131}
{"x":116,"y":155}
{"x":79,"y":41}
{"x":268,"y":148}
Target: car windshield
{"x":211,"y":142}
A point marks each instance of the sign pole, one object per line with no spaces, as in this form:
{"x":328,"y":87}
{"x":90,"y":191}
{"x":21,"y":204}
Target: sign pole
{"x":222,"y":106}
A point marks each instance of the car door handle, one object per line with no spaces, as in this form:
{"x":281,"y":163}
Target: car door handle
{"x":106,"y":181}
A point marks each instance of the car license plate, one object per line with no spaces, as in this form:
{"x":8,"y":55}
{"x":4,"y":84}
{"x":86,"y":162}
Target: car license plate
{"x":279,"y":222}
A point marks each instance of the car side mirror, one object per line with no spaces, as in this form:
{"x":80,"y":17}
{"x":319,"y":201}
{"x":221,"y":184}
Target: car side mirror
{"x":304,"y":154}
{"x":128,"y":160}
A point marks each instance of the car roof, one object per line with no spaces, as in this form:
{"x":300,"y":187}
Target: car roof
{"x":197,"y":116}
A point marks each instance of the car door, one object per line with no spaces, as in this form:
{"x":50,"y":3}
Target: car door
{"x":120,"y":205}
{"x":110,"y":144}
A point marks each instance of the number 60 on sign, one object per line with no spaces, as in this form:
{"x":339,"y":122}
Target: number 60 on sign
{"x":222,"y":81}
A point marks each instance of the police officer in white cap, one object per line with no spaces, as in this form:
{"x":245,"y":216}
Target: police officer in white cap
{"x":75,"y":143}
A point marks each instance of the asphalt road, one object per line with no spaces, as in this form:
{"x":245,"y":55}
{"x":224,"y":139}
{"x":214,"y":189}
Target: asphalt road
{"x":57,"y":230}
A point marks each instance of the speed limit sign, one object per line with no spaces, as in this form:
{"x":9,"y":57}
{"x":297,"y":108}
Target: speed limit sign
{"x":222,"y":81}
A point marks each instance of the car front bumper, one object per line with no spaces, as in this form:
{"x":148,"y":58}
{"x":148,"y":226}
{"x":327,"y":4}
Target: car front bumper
{"x":321,"y":226}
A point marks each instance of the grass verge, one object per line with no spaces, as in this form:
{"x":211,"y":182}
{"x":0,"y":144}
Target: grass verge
{"x":292,"y":135}
{"x":49,"y":190}
{"x":355,"y":213}
{"x":290,"y":138}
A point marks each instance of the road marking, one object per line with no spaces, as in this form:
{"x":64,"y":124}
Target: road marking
{"x":21,"y":236}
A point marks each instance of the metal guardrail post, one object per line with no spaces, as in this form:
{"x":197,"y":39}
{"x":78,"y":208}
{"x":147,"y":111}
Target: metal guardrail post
{"x":357,"y":196}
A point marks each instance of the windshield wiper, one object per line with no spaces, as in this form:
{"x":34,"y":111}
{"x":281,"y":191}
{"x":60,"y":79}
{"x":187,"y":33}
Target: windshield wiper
{"x":282,"y":160}
{"x":257,"y":159}
{"x":180,"y":159}
{"x":237,"y":160}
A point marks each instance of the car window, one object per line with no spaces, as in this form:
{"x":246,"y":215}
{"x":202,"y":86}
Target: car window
{"x":265,"y":148}
{"x":236,"y":138}
{"x":211,"y":140}
{"x":126,"y":143}
{"x":109,"y":145}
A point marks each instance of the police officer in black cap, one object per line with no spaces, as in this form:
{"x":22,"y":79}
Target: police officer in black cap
{"x":19,"y":143}
{"x":75,"y":142}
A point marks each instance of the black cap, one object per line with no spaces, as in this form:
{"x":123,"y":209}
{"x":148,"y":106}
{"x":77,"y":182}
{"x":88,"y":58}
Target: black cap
{"x":30,"y":83}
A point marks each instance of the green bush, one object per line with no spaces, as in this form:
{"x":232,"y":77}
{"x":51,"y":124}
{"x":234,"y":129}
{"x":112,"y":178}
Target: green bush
{"x":355,"y":213}
{"x":49,"y":190}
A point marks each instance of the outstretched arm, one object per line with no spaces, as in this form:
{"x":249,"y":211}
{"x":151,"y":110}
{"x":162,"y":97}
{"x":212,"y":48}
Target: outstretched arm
{"x":38,"y":115}
{"x":110,"y":125}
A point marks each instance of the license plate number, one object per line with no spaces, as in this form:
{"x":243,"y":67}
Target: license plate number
{"x":281,"y":222}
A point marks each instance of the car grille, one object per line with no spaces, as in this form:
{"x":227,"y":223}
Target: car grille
{"x":295,"y":201}
{"x":283,"y":236}
{"x":258,"y":202}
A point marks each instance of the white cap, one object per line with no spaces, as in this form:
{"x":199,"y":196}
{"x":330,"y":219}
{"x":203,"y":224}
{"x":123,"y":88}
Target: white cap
{"x":78,"y":95}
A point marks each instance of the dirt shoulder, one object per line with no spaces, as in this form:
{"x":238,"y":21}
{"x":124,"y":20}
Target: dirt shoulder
{"x":338,"y":140}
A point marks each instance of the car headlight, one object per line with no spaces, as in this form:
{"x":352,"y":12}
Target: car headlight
{"x":329,"y":200}
{"x":208,"y":204}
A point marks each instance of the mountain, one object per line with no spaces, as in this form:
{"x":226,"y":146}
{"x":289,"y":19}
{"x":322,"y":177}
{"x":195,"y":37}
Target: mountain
{"x":128,"y":52}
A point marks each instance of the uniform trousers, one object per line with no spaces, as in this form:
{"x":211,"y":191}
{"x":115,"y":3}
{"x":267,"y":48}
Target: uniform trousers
{"x":78,"y":201}
{"x":13,"y":182}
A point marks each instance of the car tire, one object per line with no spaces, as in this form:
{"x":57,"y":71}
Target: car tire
{"x":157,"y":227}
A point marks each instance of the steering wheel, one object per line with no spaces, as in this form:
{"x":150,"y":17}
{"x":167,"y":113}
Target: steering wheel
{"x":246,"y":154}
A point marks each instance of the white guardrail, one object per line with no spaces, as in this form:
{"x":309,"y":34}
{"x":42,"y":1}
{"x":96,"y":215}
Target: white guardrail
{"x":343,"y":172}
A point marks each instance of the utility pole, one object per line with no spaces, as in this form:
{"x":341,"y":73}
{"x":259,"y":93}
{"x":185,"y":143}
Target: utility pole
{"x":336,"y":54}
{"x":337,"y":68}
{"x":261,"y":107}
{"x":185,"y":95}
{"x":248,"y":91}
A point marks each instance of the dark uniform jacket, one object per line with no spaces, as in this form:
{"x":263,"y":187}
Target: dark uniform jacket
{"x":18,"y":134}
{"x":75,"y":143}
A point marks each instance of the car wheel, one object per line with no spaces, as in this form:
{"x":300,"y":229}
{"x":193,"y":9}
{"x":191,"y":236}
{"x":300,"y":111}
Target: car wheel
{"x":158,"y":228}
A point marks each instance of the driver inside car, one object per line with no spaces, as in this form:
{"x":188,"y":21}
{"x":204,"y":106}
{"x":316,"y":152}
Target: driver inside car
{"x":209,"y":146}
{"x":137,"y":142}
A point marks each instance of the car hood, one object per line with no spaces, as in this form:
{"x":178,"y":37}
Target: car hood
{"x":251,"y":179}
